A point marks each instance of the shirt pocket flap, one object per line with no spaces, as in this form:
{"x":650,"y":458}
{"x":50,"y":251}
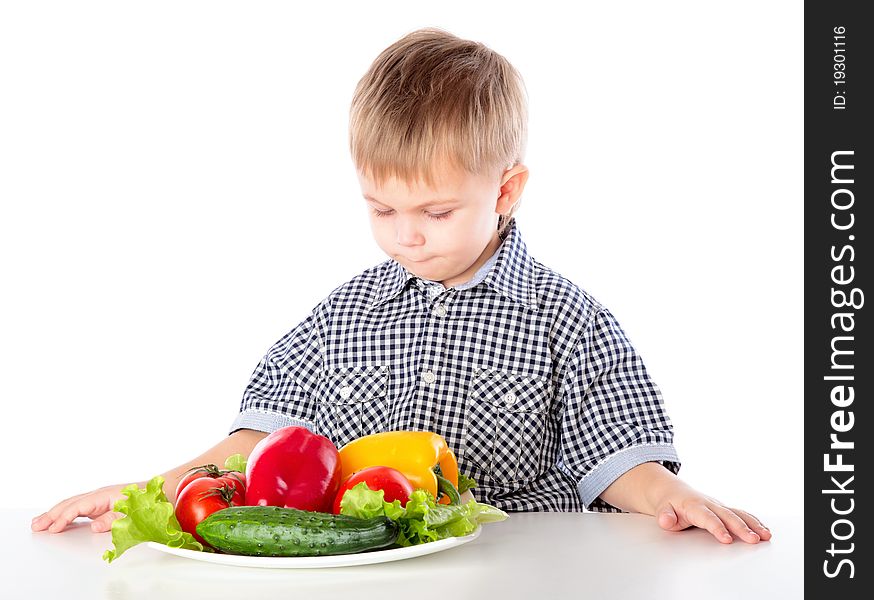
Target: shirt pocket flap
{"x":511,"y":392}
{"x":354,"y":385}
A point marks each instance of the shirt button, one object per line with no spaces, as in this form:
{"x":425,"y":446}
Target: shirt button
{"x":509,"y":398}
{"x":440,"y":311}
{"x":429,"y":377}
{"x":345,"y":392}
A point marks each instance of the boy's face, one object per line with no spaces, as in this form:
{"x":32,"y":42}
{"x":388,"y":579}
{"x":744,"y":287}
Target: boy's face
{"x":443,"y":233}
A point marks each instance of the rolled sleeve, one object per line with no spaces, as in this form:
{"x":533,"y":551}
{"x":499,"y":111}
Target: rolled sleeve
{"x":614,"y":418}
{"x":267,"y":422}
{"x":280,"y":391}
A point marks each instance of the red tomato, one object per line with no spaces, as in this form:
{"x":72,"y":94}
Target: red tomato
{"x":392,"y":482}
{"x":207,"y":471}
{"x":204,"y":496}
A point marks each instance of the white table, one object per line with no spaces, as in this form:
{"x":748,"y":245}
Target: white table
{"x":531,"y":555}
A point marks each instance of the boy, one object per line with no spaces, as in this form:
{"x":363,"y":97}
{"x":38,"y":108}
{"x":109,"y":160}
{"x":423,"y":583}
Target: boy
{"x":533,"y":383}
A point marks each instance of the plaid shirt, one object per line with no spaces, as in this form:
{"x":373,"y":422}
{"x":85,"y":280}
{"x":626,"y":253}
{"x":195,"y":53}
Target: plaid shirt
{"x":531,"y":381}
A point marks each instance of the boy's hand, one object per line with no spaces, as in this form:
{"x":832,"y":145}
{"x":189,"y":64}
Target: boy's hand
{"x":684,"y":507}
{"x":96,"y":505}
{"x":651,"y":489}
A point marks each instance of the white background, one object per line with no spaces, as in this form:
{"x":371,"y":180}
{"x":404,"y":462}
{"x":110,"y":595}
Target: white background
{"x":177,"y":193}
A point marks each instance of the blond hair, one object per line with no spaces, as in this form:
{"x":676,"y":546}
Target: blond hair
{"x":433,"y":98}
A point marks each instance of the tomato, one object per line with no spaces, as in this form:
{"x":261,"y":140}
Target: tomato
{"x":392,"y":482}
{"x":203,"y":496}
{"x":206,"y":471}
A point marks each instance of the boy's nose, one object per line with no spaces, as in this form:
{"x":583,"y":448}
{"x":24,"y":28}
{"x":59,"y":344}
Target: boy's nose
{"x":408,"y":233}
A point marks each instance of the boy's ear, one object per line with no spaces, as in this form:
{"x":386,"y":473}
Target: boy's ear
{"x":512,"y":183}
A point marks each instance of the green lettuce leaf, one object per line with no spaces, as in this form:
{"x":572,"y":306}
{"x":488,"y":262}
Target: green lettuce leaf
{"x":465,"y":483}
{"x":149,"y":517}
{"x":236,"y":462}
{"x":422,"y":520}
{"x":362,"y":502}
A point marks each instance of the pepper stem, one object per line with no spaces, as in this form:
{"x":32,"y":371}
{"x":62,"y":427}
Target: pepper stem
{"x":444,"y":486}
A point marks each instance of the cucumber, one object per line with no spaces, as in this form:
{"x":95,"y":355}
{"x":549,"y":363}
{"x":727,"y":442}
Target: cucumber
{"x":276,"y":531}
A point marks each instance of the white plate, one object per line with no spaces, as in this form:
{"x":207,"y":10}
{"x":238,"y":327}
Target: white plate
{"x":316,"y":562}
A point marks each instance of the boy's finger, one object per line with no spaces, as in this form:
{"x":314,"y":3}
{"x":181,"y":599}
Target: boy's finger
{"x":754,"y":523}
{"x":47,"y":519}
{"x":104,"y":522}
{"x":64,"y":519}
{"x":736,"y":525}
{"x":58,"y":525}
{"x":667,"y":519}
{"x":707,"y":519}
{"x":39,"y":523}
{"x":51,"y":515}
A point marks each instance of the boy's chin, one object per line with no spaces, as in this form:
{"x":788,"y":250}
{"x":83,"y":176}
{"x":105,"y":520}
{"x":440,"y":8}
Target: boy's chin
{"x":418,"y":270}
{"x":425,"y":270}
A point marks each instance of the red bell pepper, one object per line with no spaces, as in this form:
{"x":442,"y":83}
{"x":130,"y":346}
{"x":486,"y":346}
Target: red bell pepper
{"x":294,"y":468}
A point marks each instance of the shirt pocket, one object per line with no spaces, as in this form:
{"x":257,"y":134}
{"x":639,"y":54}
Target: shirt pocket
{"x":505,"y":424}
{"x":352,"y":403}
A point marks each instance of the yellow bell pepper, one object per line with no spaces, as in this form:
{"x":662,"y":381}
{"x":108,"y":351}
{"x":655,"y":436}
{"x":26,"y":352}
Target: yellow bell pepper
{"x":413,"y":453}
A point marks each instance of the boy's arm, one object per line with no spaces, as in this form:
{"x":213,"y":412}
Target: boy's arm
{"x":618,"y":440}
{"x":241,"y":441}
{"x":281,"y":389}
{"x":98,"y":504}
{"x":651,"y":489}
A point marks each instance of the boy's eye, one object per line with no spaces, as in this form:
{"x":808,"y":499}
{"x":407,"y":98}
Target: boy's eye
{"x":435,"y":216}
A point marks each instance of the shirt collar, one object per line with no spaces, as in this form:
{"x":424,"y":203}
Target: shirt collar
{"x":511,"y":275}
